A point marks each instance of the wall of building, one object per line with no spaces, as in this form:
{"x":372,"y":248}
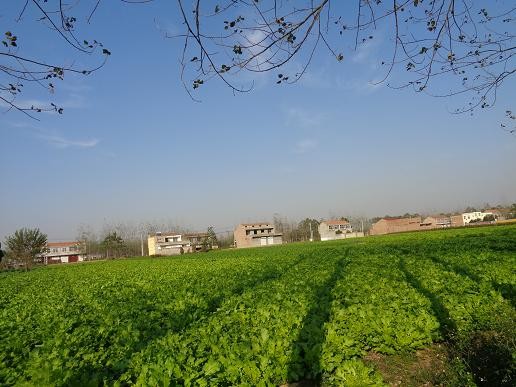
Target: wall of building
{"x":437,"y":221}
{"x":329,"y":231}
{"x":457,"y":221}
{"x":388,"y":226}
{"x":240,"y":237}
{"x":173,"y":249}
{"x":151,"y":244}
{"x":345,"y":235}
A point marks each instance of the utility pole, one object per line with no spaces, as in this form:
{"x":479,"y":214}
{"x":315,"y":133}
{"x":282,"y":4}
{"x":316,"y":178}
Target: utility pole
{"x":228,"y":237}
{"x":141,"y":242}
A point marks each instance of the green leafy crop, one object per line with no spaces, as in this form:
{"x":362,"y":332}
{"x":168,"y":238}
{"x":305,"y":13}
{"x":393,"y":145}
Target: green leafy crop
{"x":268,"y":316}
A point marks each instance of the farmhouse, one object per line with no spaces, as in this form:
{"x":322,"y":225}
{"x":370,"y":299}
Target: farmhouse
{"x":437,"y":221}
{"x":498,"y":213}
{"x":174,"y":243}
{"x":337,"y":229}
{"x":457,"y":221}
{"x":256,"y":235}
{"x":469,"y":217}
{"x":64,"y":252}
{"x":391,"y":225}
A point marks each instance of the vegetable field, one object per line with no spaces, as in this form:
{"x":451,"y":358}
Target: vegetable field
{"x":319,"y":312}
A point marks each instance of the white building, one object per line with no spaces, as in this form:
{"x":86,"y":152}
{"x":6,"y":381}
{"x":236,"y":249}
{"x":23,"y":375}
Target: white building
{"x":64,"y":252}
{"x":476,"y":216}
{"x":173,"y":243}
{"x":337,"y":229}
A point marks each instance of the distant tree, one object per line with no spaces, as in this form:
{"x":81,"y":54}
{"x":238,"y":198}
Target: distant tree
{"x":1,"y":253}
{"x":470,"y":209}
{"x":226,"y":240}
{"x":286,"y":227}
{"x":131,"y":234}
{"x":211,"y":238}
{"x":489,"y":218}
{"x":361,"y":223}
{"x":279,"y":223}
{"x":113,"y":244}
{"x":512,"y":211}
{"x":86,"y":236}
{"x":486,"y":206}
{"x":206,"y":241}
{"x":409,"y":215}
{"x":26,"y":244}
{"x":304,"y":229}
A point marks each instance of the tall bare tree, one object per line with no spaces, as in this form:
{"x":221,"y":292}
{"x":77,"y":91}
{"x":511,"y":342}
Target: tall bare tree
{"x":470,"y":44}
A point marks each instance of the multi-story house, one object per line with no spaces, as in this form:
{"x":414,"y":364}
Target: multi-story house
{"x":173,"y":243}
{"x":498,"y":213}
{"x":256,"y":234}
{"x":336,"y":229}
{"x":64,"y":252}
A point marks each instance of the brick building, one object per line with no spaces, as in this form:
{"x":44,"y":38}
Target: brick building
{"x":256,"y":235}
{"x":392,"y":225}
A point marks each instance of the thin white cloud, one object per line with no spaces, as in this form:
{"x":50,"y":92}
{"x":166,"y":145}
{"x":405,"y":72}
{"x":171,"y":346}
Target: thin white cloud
{"x":74,"y":101}
{"x":53,"y":138}
{"x":366,"y":53}
{"x":321,"y":80}
{"x":19,"y":125}
{"x":359,"y":85}
{"x":300,"y":118}
{"x":257,"y":42}
{"x":74,"y":87}
{"x":304,"y":146}
{"x":61,"y":142}
{"x":287,"y":170}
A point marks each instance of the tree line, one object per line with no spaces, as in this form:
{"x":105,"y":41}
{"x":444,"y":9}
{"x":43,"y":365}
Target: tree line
{"x":25,"y":246}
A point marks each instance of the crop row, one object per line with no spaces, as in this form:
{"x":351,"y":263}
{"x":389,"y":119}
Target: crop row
{"x":83,"y":323}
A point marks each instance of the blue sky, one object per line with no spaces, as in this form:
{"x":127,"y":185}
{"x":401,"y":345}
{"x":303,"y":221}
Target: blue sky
{"x":132,"y":146}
